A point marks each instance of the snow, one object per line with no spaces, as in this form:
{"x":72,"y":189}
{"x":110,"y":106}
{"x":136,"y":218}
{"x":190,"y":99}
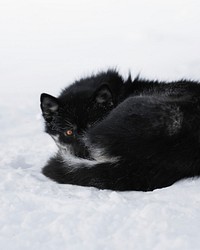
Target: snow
{"x":44,"y":46}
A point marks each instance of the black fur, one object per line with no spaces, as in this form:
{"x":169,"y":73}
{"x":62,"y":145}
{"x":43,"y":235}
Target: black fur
{"x":128,"y":135}
{"x":79,"y":107}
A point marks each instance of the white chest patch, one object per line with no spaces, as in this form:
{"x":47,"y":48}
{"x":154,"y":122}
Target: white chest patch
{"x":98,"y":153}
{"x":67,"y":155}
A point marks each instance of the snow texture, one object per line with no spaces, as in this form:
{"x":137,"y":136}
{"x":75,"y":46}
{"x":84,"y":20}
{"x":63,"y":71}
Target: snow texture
{"x":44,"y":46}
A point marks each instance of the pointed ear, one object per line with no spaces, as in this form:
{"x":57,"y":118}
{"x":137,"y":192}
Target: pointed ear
{"x":49,"y":105}
{"x":103,"y":95}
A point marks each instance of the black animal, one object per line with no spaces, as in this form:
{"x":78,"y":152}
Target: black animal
{"x":124,"y":135}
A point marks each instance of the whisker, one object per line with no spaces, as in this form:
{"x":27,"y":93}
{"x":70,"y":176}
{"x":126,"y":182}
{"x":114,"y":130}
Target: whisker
{"x":68,"y":123}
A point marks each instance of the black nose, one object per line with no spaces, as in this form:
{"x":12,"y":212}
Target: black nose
{"x":79,"y":131}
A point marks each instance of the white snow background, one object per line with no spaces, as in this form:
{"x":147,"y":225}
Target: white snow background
{"x":44,"y":46}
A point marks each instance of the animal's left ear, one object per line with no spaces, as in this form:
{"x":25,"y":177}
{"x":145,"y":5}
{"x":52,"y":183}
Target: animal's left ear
{"x":103,"y":95}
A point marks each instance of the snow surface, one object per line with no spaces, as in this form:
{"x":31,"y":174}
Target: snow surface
{"x":44,"y":46}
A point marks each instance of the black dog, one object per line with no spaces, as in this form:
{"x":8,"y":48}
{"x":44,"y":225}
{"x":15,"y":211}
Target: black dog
{"x":124,"y":135}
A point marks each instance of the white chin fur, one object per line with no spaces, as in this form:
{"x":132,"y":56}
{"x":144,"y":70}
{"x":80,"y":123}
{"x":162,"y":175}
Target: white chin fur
{"x":67,"y":155}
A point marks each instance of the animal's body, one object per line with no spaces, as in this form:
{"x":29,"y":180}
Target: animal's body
{"x":124,"y":135}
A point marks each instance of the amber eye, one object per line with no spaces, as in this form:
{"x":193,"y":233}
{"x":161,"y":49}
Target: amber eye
{"x":69,"y":132}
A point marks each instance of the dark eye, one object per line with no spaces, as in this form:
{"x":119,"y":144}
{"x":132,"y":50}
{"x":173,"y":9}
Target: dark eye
{"x":69,"y":132}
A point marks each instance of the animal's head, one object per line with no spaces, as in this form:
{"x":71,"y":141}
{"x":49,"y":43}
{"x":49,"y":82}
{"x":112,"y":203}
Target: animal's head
{"x":78,"y":108}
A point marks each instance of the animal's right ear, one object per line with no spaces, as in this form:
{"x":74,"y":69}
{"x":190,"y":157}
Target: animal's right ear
{"x":49,"y":105}
{"x":103,"y":95}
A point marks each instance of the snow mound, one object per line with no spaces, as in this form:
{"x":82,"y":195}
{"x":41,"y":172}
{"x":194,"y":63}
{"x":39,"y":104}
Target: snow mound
{"x":45,"y":45}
